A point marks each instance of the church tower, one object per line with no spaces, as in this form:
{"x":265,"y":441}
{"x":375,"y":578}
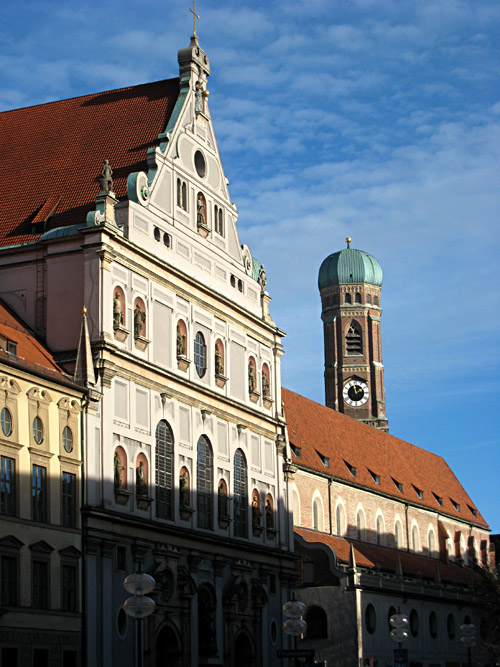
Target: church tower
{"x":350,"y":282}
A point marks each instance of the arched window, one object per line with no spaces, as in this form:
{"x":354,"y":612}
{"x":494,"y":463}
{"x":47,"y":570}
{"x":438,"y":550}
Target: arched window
{"x":340,"y":520}
{"x":433,"y":625}
{"x":398,"y":534}
{"x":318,"y":522}
{"x":358,"y":297}
{"x":200,"y":354}
{"x":414,"y":623}
{"x":414,"y":539}
{"x":354,"y":341}
{"x":240,"y":495}
{"x":380,"y":530}
{"x":184,"y":196}
{"x":368,"y":298}
{"x":347,"y":298}
{"x":431,"y":542}
{"x":317,"y":624}
{"x":375,"y":300}
{"x":204,"y":483}
{"x":164,"y":454}
{"x":360,"y":525}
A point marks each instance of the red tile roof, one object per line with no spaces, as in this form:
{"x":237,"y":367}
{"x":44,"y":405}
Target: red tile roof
{"x":371,"y":555}
{"x":31,"y":354}
{"x":317,"y":430}
{"x":52,"y":154}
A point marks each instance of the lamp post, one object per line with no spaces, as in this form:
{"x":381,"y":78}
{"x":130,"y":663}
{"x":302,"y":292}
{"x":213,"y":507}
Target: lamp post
{"x":400,"y":634}
{"x":294,"y":624}
{"x":139,"y":606}
{"x":468,"y":638}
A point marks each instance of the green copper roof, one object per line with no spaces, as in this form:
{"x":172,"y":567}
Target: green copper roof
{"x":349,"y":266}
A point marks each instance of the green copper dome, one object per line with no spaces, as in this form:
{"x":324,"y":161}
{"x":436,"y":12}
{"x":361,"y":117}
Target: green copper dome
{"x":349,"y":266}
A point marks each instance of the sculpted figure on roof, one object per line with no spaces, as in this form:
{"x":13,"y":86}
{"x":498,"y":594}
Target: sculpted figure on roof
{"x":106,"y":180}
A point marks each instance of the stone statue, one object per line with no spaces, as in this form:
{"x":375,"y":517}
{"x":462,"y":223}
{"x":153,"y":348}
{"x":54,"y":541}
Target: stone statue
{"x":181,"y":343}
{"x":140,"y":480}
{"x":201,"y":218}
{"x":256,"y":513}
{"x":106,"y":180}
{"x":198,"y":97}
{"x":184,"y":489}
{"x":139,"y":320}
{"x":118,"y":471}
{"x":222,"y":499}
{"x":266,"y":389}
{"x":251,"y":377}
{"x":117,"y":311}
{"x":262,"y":280}
{"x":269,"y":515}
{"x":219,"y":370}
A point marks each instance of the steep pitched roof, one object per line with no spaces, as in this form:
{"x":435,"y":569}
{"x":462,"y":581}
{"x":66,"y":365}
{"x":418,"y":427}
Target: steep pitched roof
{"x":52,"y":154}
{"x":30,"y":353}
{"x":320,"y":435}
{"x":371,"y":555}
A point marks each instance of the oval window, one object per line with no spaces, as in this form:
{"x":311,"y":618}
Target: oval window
{"x":370,"y":619}
{"x":200,"y":164}
{"x":67,"y":439}
{"x":6,"y":421}
{"x":38,"y":430}
{"x":200,"y":354}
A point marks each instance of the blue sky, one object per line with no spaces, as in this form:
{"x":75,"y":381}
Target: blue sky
{"x":377,"y":119}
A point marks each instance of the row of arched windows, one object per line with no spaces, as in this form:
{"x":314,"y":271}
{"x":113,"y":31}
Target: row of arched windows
{"x":348,"y":298}
{"x":207,"y":488}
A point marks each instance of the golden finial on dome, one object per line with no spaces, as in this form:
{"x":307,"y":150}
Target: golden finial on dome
{"x":84,"y":310}
{"x":348,"y":241}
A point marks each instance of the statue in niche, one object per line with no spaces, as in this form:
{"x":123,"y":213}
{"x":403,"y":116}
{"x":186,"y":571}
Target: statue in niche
{"x":117,"y":310}
{"x":269,"y":515}
{"x":251,"y":377}
{"x":181,"y":343}
{"x":266,"y":390}
{"x":256,"y":513}
{"x":198,"y":97}
{"x":262,"y":280}
{"x":106,"y":180}
{"x":139,"y":320}
{"x":201,"y":216}
{"x":118,"y":471}
{"x":222,"y":500}
{"x":219,"y":369}
{"x":184,"y":489}
{"x":140,"y":480}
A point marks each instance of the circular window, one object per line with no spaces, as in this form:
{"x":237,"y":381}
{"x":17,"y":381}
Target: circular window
{"x":200,"y":354}
{"x":413,"y":623}
{"x":450,"y":626}
{"x":6,"y":421}
{"x":370,"y":619}
{"x":121,"y":623}
{"x":67,"y":439}
{"x":200,"y":164}
{"x":38,"y":430}
{"x":274,"y":631}
{"x":433,"y":625}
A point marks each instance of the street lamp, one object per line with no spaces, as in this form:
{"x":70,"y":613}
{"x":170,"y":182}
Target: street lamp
{"x":468,"y":637}
{"x":294,"y":624}
{"x":399,"y":633}
{"x":139,"y":606}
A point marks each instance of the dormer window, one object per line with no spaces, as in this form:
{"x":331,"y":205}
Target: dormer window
{"x":351,"y":469}
{"x":439,"y":499}
{"x":296,"y":451}
{"x":455,"y":505}
{"x":9,"y":347}
{"x":398,"y":485}
{"x":472,"y":510}
{"x":376,"y":478}
{"x":324,"y":459}
{"x":418,"y":491}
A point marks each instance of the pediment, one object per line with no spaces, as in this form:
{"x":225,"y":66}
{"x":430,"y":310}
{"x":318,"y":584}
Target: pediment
{"x":41,"y":547}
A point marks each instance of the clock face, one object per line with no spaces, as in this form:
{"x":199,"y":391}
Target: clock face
{"x":356,"y":393}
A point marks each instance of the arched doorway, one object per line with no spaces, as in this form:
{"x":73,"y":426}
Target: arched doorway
{"x":243,"y":651}
{"x":168,"y":648}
